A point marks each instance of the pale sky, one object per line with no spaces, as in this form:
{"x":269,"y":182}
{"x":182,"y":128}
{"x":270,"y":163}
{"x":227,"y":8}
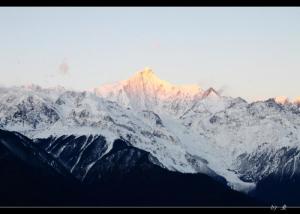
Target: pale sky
{"x":251,"y":52}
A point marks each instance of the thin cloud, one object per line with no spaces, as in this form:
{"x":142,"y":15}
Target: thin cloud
{"x":223,"y":89}
{"x":64,"y":68}
{"x":156,"y":45}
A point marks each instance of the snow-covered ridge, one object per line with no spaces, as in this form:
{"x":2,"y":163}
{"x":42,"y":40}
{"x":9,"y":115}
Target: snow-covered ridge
{"x":286,"y":101}
{"x":186,"y":128}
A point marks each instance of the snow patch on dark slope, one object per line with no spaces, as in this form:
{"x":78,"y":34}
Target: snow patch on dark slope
{"x":125,"y":176}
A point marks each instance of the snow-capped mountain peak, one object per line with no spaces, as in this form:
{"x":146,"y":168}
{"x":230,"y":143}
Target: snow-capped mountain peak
{"x":146,"y":81}
{"x":297,"y":101}
{"x":147,"y":74}
{"x":286,"y":101}
{"x":281,"y":100}
{"x":146,"y":91}
{"x":212,"y":93}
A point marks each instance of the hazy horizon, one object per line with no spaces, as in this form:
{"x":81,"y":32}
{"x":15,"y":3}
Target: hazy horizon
{"x":253,"y":53}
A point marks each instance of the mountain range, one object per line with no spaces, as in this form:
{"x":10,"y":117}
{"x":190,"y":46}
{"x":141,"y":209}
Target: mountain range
{"x":145,"y":141}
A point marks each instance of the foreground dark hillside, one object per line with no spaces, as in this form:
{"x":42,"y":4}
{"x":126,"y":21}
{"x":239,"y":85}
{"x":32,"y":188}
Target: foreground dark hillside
{"x":126,"y":176}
